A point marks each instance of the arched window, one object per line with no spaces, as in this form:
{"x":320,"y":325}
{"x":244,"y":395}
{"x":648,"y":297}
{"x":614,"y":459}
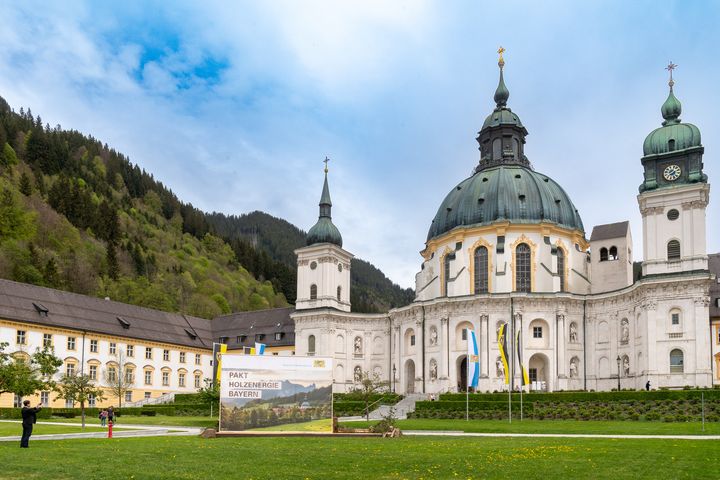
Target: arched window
{"x":673,"y":250}
{"x":313,"y":292}
{"x":481,"y":270}
{"x":613,"y":253}
{"x":671,"y":144}
{"x":339,"y":292}
{"x":676,"y":361}
{"x":603,"y":254}
{"x":561,"y":267}
{"x":446,"y":273}
{"x":522,"y":268}
{"x":497,"y":149}
{"x":311,"y":345}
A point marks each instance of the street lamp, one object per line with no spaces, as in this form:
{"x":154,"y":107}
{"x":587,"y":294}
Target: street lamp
{"x":619,"y":361}
{"x":393,"y":384}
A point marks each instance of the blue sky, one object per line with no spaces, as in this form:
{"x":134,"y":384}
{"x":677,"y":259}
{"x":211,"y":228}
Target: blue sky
{"x":234,"y":105}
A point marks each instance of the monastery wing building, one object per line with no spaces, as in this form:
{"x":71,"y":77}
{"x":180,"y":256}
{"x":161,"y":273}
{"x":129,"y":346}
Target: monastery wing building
{"x":507,"y":246}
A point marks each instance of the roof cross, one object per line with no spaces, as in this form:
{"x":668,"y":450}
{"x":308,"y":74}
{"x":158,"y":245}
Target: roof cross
{"x":500,"y":52}
{"x":671,"y":66}
{"x":326,"y":162}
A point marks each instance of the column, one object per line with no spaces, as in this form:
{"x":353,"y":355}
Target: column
{"x":484,"y":346}
{"x":562,"y":366}
{"x":443,"y":373}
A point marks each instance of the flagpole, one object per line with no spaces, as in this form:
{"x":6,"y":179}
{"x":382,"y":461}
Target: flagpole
{"x":512,"y":361}
{"x":467,"y":377}
{"x":522,"y":374}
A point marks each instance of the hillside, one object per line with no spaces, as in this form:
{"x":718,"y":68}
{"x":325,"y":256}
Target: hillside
{"x":371,"y":291}
{"x":79,"y":216}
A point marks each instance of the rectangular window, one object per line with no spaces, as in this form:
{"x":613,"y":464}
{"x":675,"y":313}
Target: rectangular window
{"x":45,"y":398}
{"x":676,"y":319}
{"x":111,"y":374}
{"x":197,"y":359}
{"x":69,"y":403}
{"x":166,"y":355}
{"x":91,"y":401}
{"x":113,"y":348}
{"x":93,"y":346}
{"x":197,"y":381}
{"x":148,"y":353}
{"x":92,"y":373}
{"x":130,"y":351}
{"x":464,"y":333}
{"x":182,"y":357}
{"x":165,"y":379}
{"x":47,"y":340}
{"x":71,"y":343}
{"x":412,"y":340}
{"x":129,"y":376}
{"x":17,"y":401}
{"x":537,"y":332}
{"x":20,"y":337}
{"x":278,"y":335}
{"x":181,"y":379}
{"x":532,"y":373}
{"x":70,"y":369}
{"x":128,"y":396}
{"x":147,"y":395}
{"x":148,"y":377}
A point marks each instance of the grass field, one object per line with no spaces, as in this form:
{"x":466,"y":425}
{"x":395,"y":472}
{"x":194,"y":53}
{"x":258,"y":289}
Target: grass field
{"x":555,"y":426}
{"x":361,"y":458}
{"x":324,"y":425}
{"x":8,"y":429}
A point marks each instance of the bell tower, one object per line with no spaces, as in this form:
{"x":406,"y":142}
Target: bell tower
{"x":323,"y":273}
{"x":674,"y":194}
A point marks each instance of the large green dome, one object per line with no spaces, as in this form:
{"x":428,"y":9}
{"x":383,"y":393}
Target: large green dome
{"x":513,"y":193}
{"x":324,"y":231}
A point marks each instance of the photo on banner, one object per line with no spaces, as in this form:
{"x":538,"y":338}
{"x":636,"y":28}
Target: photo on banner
{"x":278,"y":393}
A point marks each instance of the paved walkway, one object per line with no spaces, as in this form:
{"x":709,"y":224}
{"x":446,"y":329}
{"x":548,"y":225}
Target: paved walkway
{"x":127,"y":431}
{"x":446,"y":433}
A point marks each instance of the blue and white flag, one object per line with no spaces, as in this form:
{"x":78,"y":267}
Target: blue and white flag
{"x":259,"y":348}
{"x":473,"y":359}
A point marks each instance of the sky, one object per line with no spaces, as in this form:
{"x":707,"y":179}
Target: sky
{"x":234,"y":105}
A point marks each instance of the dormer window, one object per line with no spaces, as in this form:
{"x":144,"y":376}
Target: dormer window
{"x":41,"y":309}
{"x":191,"y":334}
{"x":124,"y":323}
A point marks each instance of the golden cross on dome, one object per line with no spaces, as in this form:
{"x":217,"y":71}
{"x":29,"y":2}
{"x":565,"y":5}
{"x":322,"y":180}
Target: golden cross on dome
{"x":671,"y":66}
{"x":326,"y":162}
{"x":501,"y":62}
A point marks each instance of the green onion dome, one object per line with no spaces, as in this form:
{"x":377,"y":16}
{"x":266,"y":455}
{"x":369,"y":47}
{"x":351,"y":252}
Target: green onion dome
{"x":325,"y":231}
{"x":513,"y":193}
{"x":673,"y":135}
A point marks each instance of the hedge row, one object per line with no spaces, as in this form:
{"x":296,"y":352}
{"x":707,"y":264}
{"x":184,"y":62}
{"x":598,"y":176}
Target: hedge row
{"x":558,"y":397}
{"x":380,"y":398}
{"x":189,"y":398}
{"x":182,"y":409}
{"x":15,"y":413}
{"x":446,"y":406}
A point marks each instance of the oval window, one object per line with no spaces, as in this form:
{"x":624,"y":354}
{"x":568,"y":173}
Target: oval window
{"x":313,"y":265}
{"x":673,"y":214}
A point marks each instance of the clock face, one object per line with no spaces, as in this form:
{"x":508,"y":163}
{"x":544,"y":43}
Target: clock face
{"x":671,"y":173}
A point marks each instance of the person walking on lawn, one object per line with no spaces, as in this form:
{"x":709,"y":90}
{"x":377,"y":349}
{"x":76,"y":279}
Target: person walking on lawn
{"x":29,"y":417}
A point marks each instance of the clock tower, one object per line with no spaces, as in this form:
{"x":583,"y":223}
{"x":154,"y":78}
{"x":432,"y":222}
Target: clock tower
{"x":674,"y":194}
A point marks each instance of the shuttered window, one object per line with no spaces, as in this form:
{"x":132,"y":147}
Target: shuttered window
{"x":673,"y":250}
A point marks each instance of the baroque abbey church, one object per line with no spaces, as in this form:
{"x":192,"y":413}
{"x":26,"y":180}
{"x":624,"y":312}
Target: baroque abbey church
{"x":508,"y":246}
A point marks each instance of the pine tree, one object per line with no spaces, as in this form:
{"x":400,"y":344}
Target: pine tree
{"x":25,"y":186}
{"x":113,"y":268}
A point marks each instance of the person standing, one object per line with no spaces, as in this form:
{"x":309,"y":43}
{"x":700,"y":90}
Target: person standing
{"x":29,"y":417}
{"x":647,"y":386}
{"x":111,"y":414}
{"x":103,"y":417}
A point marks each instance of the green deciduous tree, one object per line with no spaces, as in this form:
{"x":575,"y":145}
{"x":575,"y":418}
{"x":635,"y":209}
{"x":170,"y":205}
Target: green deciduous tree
{"x":80,"y":388}
{"x":25,"y":186}
{"x":23,"y":375}
{"x":119,"y":378}
{"x":367,"y":387}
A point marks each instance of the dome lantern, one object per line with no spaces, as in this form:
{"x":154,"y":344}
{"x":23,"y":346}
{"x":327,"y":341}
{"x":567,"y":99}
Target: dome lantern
{"x":324,"y":231}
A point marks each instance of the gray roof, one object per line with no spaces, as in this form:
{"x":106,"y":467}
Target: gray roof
{"x":241,"y":328}
{"x":610,"y":230}
{"x":714,"y":267}
{"x":27,"y":303}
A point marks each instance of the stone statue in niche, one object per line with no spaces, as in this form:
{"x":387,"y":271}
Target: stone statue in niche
{"x":358,"y":346}
{"x":499,"y":369}
{"x":574,"y":368}
{"x":573,"y":332}
{"x":626,"y":366}
{"x":433,"y":336}
{"x":433,"y":370}
{"x":624,"y":331}
{"x":357,"y":374}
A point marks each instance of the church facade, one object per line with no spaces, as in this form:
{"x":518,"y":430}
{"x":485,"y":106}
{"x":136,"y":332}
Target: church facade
{"x":508,"y":246}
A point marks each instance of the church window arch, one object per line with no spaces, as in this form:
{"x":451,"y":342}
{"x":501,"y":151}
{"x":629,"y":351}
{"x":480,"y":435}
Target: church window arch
{"x":677,"y":361}
{"x":311,"y":345}
{"x":497,"y":149}
{"x":671,"y":144}
{"x":339,"y":293}
{"x":480,"y":259}
{"x":673,"y":250}
{"x":522,"y":268}
{"x":313,"y":292}
{"x":603,"y":254}
{"x":561,"y":268}
{"x":613,"y":253}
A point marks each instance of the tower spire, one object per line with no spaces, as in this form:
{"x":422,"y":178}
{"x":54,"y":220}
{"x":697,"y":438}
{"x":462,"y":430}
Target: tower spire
{"x":672,"y":107}
{"x":325,"y":202}
{"x":501,"y":93}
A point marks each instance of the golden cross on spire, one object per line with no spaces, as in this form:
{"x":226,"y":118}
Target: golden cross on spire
{"x":326,"y":162}
{"x":671,"y":66}
{"x":501,"y":62}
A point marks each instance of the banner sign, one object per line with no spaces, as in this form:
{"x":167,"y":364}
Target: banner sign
{"x":286,"y":393}
{"x":473,"y":361}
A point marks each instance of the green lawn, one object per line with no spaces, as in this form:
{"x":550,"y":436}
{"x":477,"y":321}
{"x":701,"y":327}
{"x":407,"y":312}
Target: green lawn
{"x":8,"y":429}
{"x":177,"y":421}
{"x":361,"y":458}
{"x":555,"y":426}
